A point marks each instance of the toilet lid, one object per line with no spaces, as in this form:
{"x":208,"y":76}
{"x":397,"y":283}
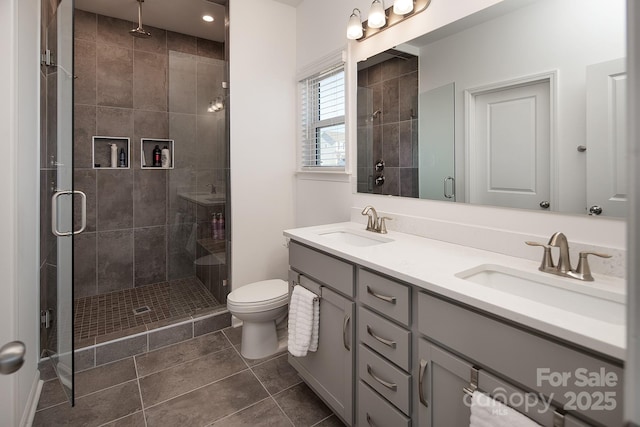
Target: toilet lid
{"x":259,"y":292}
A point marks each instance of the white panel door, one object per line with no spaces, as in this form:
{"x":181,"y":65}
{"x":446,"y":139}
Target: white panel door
{"x":606,"y":138}
{"x":509,"y":146}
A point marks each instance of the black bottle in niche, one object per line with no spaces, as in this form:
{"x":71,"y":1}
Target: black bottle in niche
{"x":123,"y":159}
{"x":157,"y":156}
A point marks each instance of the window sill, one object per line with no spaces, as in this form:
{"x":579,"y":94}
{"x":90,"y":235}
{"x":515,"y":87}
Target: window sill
{"x":337,"y":175}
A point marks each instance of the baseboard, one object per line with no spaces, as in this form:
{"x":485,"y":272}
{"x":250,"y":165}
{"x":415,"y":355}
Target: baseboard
{"x":235,"y":322}
{"x":32,"y":402}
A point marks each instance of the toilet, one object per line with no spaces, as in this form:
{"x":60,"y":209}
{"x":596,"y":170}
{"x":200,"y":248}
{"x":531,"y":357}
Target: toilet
{"x":260,"y":306}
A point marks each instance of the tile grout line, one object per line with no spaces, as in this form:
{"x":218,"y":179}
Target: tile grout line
{"x":238,"y":411}
{"x":106,"y":388}
{"x":324,"y":419}
{"x":119,"y":419}
{"x":144,"y":415}
{"x":195,"y":389}
{"x":282,"y":410}
{"x":268,"y":392}
{"x":184,"y":362}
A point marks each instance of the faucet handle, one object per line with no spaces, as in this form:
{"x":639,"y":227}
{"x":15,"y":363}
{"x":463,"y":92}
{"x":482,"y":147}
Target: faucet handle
{"x":547,"y":261}
{"x":382,"y":227}
{"x":583,"y":268}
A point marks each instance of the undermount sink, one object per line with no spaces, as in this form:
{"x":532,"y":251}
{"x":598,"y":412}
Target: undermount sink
{"x":203,"y":197}
{"x":567,"y":294}
{"x":356,"y":238}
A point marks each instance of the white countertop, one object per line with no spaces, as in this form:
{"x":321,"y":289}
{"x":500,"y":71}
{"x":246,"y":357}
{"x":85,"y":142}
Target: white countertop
{"x":432,"y":265}
{"x":204,"y":198}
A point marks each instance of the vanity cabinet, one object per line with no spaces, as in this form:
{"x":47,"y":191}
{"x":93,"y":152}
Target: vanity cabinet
{"x":393,"y":354}
{"x":499,"y":355}
{"x":384,"y":354}
{"x":329,"y":370}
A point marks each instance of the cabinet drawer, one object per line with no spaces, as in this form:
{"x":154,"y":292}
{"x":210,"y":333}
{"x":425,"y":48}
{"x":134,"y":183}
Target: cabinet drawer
{"x":391,"y":382}
{"x":373,"y":410}
{"x":386,"y":296}
{"x":385,"y":337}
{"x":519,"y":355}
{"x":324,"y":268}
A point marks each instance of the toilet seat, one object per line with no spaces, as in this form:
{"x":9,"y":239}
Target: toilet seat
{"x":259,"y":296}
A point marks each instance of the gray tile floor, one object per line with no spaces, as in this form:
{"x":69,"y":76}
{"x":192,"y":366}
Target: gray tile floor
{"x":201,"y":382}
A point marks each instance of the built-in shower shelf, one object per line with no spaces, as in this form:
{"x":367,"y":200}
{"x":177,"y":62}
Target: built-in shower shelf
{"x":101,"y":151}
{"x":213,"y":245}
{"x":147,"y":146}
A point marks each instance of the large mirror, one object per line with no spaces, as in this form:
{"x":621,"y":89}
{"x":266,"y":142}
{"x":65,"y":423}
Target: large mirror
{"x":520,"y":105}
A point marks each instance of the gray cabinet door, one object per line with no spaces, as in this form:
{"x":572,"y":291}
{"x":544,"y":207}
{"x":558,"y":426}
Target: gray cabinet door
{"x":329,"y":371}
{"x":440,"y":388}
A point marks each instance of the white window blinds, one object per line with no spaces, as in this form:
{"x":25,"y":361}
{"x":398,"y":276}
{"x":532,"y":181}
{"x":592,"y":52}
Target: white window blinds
{"x":323,"y":133}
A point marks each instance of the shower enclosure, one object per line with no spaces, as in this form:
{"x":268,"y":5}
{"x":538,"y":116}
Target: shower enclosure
{"x":153,"y":251}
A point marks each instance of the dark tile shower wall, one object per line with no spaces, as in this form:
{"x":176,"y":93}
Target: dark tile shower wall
{"x":137,"y":227}
{"x":393,"y":133}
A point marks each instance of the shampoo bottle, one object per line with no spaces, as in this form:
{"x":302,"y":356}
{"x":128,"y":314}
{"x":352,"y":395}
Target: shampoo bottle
{"x":157,"y":157}
{"x":123,"y":159}
{"x":214,"y":226}
{"x":166,"y":157}
{"x":114,"y":155}
{"x":221,"y":227}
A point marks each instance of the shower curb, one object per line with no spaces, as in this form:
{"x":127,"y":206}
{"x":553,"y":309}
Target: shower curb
{"x":120,"y":348}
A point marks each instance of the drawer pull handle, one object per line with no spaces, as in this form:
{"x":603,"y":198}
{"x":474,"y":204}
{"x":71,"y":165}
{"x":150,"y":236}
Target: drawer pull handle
{"x":423,"y":371}
{"x":386,"y":342}
{"x":385,"y":298}
{"x":369,"y":421}
{"x":390,"y":386}
{"x":344,"y":332}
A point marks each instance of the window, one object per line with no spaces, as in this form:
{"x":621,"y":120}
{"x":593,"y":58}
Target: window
{"x":323,"y":120}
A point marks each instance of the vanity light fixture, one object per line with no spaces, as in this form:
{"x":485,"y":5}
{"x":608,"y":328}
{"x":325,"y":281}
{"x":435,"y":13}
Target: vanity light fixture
{"x":377,"y":17}
{"x":354,"y":28}
{"x":402,"y":7}
{"x":380,"y":19}
{"x":207,"y":18}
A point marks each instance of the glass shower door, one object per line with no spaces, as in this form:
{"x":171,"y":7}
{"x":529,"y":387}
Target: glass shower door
{"x":58,"y":61}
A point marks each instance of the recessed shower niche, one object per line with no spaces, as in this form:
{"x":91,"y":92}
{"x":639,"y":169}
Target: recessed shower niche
{"x":156,"y":153}
{"x":103,"y":155}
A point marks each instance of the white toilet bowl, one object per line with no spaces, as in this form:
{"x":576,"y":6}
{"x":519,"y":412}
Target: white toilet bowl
{"x":259,"y":305}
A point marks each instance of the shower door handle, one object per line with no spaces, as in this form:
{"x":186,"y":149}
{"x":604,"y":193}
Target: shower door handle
{"x":54,"y":213}
{"x":453,"y":187}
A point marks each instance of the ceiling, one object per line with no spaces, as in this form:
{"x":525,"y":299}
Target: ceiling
{"x":181,"y":16}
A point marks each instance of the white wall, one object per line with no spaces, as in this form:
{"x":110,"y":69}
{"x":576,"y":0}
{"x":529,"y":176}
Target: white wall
{"x":328,"y":29}
{"x":263,"y":100}
{"x":19,"y":119}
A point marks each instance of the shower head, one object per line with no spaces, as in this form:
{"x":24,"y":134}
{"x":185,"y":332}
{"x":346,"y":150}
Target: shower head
{"x":140,"y":32}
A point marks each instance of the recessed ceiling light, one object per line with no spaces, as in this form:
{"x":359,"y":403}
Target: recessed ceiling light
{"x":207,"y":18}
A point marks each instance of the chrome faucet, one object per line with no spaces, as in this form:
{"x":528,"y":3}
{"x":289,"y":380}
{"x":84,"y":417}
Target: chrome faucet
{"x":372,"y":223}
{"x":375,"y":223}
{"x":563,"y":268}
{"x":559,"y":240}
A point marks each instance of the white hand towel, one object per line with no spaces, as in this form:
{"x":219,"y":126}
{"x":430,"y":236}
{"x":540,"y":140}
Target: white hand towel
{"x":304,"y":320}
{"x":488,"y":412}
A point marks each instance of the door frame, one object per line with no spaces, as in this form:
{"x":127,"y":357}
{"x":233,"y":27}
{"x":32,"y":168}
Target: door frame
{"x":470,"y":136}
{"x":19,"y":250}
